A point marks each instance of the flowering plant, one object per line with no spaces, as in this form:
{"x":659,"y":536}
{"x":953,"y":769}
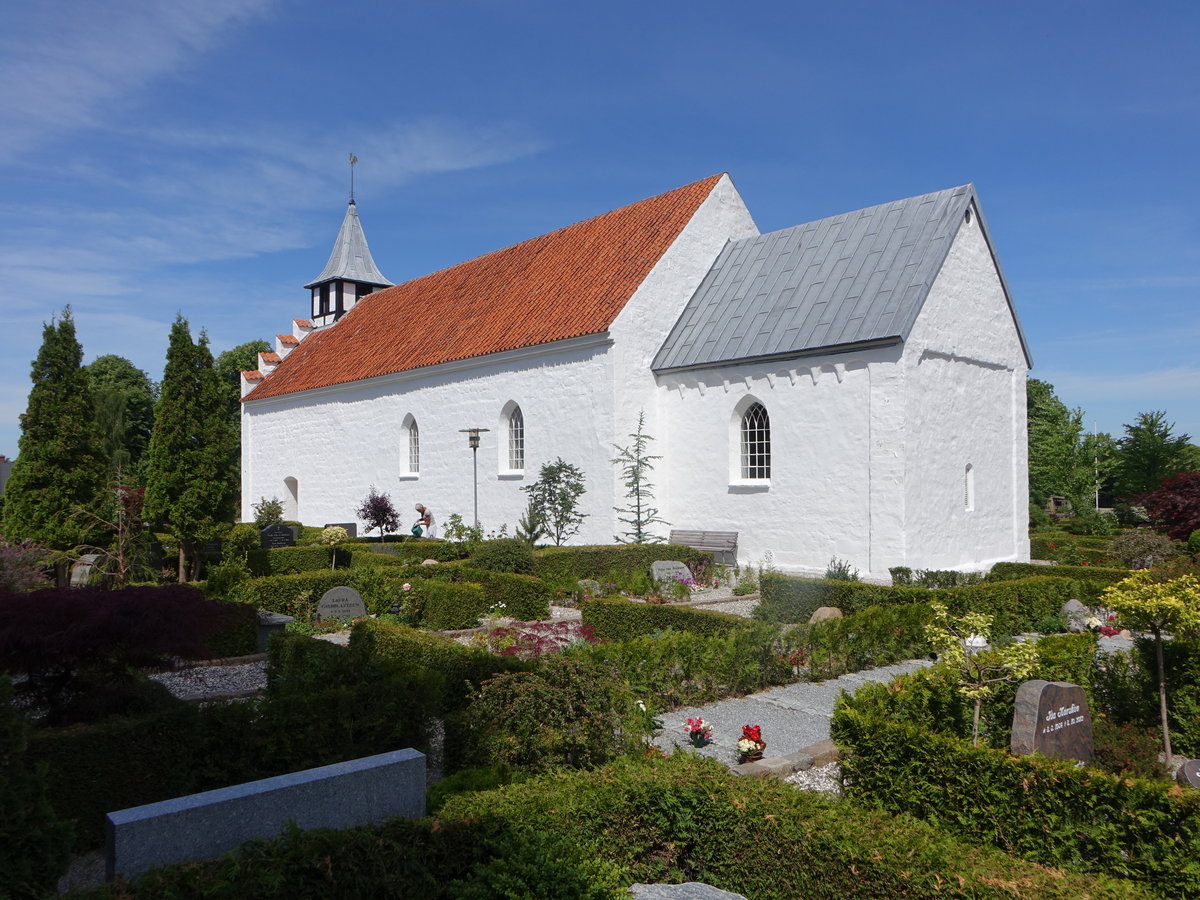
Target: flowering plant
{"x":698,"y":732}
{"x":751,"y":742}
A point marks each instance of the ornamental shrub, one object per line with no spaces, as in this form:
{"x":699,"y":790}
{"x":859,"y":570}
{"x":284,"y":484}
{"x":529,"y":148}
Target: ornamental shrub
{"x":23,"y":566}
{"x":504,"y":555}
{"x":1143,"y":548}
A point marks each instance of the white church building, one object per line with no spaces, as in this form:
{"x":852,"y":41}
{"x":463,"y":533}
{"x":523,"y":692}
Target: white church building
{"x":853,"y":387}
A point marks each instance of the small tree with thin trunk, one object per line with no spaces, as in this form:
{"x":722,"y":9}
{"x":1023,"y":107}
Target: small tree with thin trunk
{"x":636,"y":464}
{"x":1152,"y":601}
{"x":378,"y":512}
{"x":554,"y":499}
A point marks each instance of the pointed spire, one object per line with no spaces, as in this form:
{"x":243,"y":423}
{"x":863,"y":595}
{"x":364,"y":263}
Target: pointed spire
{"x":351,"y":257}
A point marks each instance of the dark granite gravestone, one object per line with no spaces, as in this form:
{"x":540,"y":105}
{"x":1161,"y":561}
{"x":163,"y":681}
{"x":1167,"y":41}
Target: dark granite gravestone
{"x":274,"y":536}
{"x":341,"y":603}
{"x":1189,"y":774}
{"x":1052,"y":718}
{"x":351,"y":527}
{"x":212,"y":549}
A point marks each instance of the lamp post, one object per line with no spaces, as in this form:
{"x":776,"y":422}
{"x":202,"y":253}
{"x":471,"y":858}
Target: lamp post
{"x":473,"y":442}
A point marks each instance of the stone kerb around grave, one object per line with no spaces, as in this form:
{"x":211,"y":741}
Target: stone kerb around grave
{"x":341,"y":603}
{"x":1052,"y":718}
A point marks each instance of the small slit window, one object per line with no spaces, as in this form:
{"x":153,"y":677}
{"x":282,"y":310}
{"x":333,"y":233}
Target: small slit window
{"x":756,"y":444}
{"x":969,"y":488}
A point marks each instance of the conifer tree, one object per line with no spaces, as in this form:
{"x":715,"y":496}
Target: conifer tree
{"x":191,"y":484}
{"x":636,"y":465}
{"x":60,"y":467}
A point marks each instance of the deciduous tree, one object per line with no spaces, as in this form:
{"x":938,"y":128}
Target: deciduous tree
{"x":60,"y":466}
{"x":124,"y":399}
{"x":378,"y":512}
{"x":554,"y":499}
{"x":1063,"y":459}
{"x":1175,"y":507}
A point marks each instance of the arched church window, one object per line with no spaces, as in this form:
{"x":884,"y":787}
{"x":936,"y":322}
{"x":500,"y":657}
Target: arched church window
{"x":756,"y":443}
{"x":412,"y":436}
{"x":516,"y":440}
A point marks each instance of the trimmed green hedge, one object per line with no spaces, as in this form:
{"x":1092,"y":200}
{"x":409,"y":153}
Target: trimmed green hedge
{"x":291,"y":560}
{"x":877,"y":636}
{"x":1053,"y":547}
{"x":1042,"y":809}
{"x":445,"y":606}
{"x":1016,"y":606}
{"x":1090,"y":581}
{"x":462,"y":668}
{"x":589,"y":835}
{"x":524,"y":597}
{"x":616,"y":619}
{"x":282,"y":593}
{"x":556,"y":564}
{"x":409,"y":548}
{"x":237,"y":634}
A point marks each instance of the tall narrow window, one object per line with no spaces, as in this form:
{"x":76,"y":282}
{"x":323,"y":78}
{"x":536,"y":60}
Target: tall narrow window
{"x":516,"y":440}
{"x":414,"y":445}
{"x":756,"y":443}
{"x":969,"y":488}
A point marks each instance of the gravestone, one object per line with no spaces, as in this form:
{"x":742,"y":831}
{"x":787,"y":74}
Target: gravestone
{"x":270,"y":623}
{"x":825,"y":612}
{"x":81,"y":570}
{"x":1076,"y":615}
{"x":351,"y":527}
{"x":212,"y":549}
{"x":341,"y":603}
{"x":669,"y":570}
{"x":275,"y":536}
{"x":1189,"y":774}
{"x":1052,"y":718}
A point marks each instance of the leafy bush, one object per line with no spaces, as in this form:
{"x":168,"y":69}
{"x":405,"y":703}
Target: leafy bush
{"x":570,"y":711}
{"x":619,"y":619}
{"x":840,"y":570}
{"x":23,"y":566}
{"x":68,"y":642}
{"x":34,"y":842}
{"x":877,"y":636}
{"x":1143,"y":548}
{"x":239,"y":541}
{"x":1175,"y":507}
{"x":504,"y":555}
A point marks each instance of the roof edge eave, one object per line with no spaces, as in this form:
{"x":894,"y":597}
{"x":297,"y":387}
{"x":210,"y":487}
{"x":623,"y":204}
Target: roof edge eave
{"x":827,"y":350}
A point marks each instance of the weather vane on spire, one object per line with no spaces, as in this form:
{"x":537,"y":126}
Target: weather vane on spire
{"x":353,"y":160}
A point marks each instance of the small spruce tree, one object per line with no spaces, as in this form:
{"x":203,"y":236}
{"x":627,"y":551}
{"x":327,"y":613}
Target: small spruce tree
{"x":636,"y":464}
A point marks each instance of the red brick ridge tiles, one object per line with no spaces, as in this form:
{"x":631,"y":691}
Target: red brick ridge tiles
{"x":568,"y":283}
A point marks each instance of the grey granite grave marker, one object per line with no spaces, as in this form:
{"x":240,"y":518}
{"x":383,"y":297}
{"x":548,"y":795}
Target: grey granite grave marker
{"x":341,"y":603}
{"x":669,"y":570}
{"x":1052,"y":718}
{"x":274,"y":536}
{"x":1189,"y":774}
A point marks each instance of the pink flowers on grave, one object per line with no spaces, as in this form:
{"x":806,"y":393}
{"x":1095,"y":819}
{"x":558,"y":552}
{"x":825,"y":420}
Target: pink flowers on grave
{"x":698,"y":732}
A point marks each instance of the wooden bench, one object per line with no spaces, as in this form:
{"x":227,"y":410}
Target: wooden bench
{"x":721,"y":544}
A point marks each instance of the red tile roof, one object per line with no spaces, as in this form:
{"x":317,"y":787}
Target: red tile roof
{"x":565,"y":284}
{"x":269,"y":356}
{"x":288,"y":339}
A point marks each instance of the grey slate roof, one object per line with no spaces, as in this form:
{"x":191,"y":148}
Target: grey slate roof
{"x":847,"y":281}
{"x":351,"y":257}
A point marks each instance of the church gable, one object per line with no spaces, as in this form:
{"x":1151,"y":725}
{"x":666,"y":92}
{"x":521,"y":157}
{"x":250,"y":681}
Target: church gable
{"x":565,"y":284}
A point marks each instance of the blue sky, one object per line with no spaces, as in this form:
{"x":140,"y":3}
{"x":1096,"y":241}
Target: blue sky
{"x":164,"y":157}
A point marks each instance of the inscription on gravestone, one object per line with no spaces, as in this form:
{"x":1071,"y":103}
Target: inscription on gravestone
{"x":1052,"y":718}
{"x":341,"y":603}
{"x":1189,"y":774}
{"x":274,"y":536}
{"x":668,"y":570}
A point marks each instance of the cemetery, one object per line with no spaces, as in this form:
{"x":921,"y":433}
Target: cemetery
{"x":530,"y":686}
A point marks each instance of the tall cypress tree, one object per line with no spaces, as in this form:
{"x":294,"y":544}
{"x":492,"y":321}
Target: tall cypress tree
{"x":60,"y":468}
{"x":190,"y":478}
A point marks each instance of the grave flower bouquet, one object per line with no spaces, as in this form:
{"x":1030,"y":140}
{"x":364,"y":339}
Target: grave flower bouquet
{"x":751,"y":745}
{"x":698,"y":732}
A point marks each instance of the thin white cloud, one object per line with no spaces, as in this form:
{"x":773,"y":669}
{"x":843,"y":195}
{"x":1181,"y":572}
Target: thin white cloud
{"x":63,"y":63}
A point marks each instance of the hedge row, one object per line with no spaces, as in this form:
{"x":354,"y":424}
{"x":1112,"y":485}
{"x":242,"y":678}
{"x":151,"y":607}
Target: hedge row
{"x":1090,"y":541}
{"x":558,"y":564}
{"x":290,"y":560}
{"x":1090,"y":581}
{"x":878,"y":636}
{"x":591,"y":834}
{"x":117,"y":764}
{"x":1042,"y":809}
{"x":617,"y":619}
{"x":1016,"y":606}
{"x":408,"y":548}
{"x":1053,"y":547}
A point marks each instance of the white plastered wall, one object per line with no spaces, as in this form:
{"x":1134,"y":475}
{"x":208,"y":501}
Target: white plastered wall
{"x":821,"y":500}
{"x":965,"y":405}
{"x":578,"y":398}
